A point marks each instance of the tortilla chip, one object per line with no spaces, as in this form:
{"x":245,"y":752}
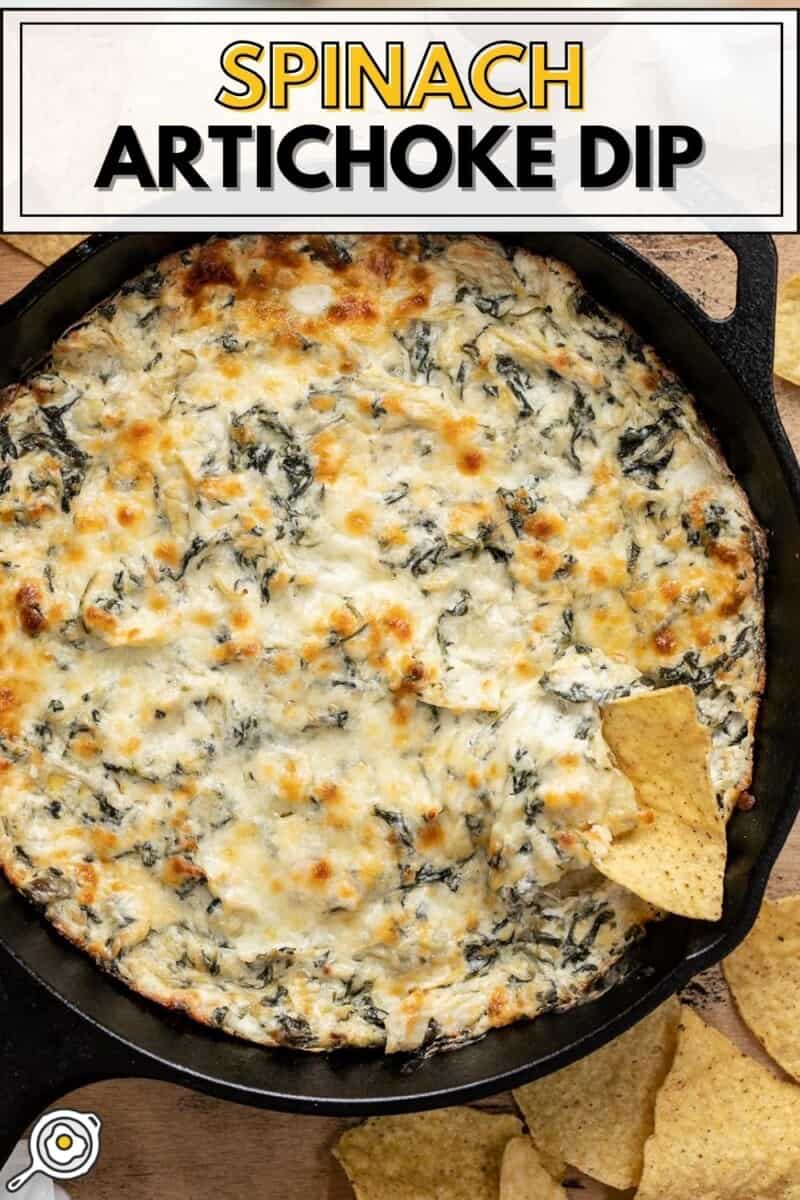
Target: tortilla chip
{"x":725,"y":1129}
{"x":522,"y":1175}
{"x":554,"y":1164}
{"x":449,"y":1154}
{"x":787,"y":331}
{"x":764,"y":976}
{"x":675,"y":857}
{"x":598,"y":1113}
{"x":44,"y":247}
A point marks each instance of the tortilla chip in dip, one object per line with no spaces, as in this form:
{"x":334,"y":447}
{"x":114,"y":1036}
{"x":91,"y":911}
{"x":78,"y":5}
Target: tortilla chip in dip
{"x":449,"y":1154}
{"x":725,"y":1128}
{"x":44,"y":247}
{"x":675,"y":857}
{"x":787,"y":331}
{"x":764,"y":977}
{"x":523,"y":1176}
{"x":598,"y":1112}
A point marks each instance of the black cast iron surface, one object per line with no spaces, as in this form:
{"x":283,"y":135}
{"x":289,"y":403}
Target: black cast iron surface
{"x":64,"y":1023}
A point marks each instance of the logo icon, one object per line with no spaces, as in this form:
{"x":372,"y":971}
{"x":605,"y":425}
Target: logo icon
{"x":63,"y":1145}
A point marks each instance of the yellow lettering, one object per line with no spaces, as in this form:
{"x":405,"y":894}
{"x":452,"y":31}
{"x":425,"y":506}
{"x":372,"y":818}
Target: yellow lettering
{"x":330,"y":74}
{"x":437,"y":76}
{"x":543,"y":75}
{"x":387,"y":84}
{"x":294,"y":64}
{"x":482,"y":64}
{"x":255,"y":89}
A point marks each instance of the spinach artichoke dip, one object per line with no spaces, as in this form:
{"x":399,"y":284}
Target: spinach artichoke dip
{"x":320,"y":556}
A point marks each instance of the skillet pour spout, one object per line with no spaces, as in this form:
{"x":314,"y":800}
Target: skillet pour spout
{"x":65,"y":1023}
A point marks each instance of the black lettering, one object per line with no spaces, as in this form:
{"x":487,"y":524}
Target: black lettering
{"x":374,"y":156}
{"x":670,"y":157}
{"x":474,"y":155}
{"x":644,"y":156}
{"x":263,"y":156}
{"x":398,"y":156}
{"x":176,"y":159}
{"x":288,"y":146}
{"x":230,"y":136}
{"x":529,"y":156}
{"x":591,"y":136}
{"x":125,"y":142}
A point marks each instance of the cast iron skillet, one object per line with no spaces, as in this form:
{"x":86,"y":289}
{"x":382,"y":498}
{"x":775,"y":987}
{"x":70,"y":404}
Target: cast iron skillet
{"x":64,"y":1023}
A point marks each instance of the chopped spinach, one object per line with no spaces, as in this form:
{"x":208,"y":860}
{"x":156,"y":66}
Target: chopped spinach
{"x":193,"y":550}
{"x":518,"y":381}
{"x":491,"y":306}
{"x":54,"y":439}
{"x":397,"y":494}
{"x":333,"y":719}
{"x":231,"y":344}
{"x":732,"y":729}
{"x":582,"y":693}
{"x":397,"y":823}
{"x":426,"y":555}
{"x":648,"y":449}
{"x":296,"y":1030}
{"x":581,"y":936}
{"x":580,"y":417}
{"x":148,"y":285}
{"x":699,"y":675}
{"x":259,"y":439}
{"x":429,"y":873}
{"x":519,"y":504}
{"x":417,"y":341}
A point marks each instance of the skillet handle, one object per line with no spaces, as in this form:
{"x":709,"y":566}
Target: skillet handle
{"x":47,"y":1050}
{"x":745,"y":340}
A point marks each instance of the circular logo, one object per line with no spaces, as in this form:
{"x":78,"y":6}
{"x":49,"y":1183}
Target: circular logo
{"x":63,"y":1145}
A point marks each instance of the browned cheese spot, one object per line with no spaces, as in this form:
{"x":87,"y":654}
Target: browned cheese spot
{"x":29,"y":607}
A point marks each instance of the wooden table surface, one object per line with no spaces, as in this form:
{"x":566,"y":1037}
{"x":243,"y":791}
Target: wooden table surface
{"x":162,"y":1142}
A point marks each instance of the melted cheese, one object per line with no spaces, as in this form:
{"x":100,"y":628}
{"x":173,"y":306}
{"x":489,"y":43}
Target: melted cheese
{"x":319,"y":557}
